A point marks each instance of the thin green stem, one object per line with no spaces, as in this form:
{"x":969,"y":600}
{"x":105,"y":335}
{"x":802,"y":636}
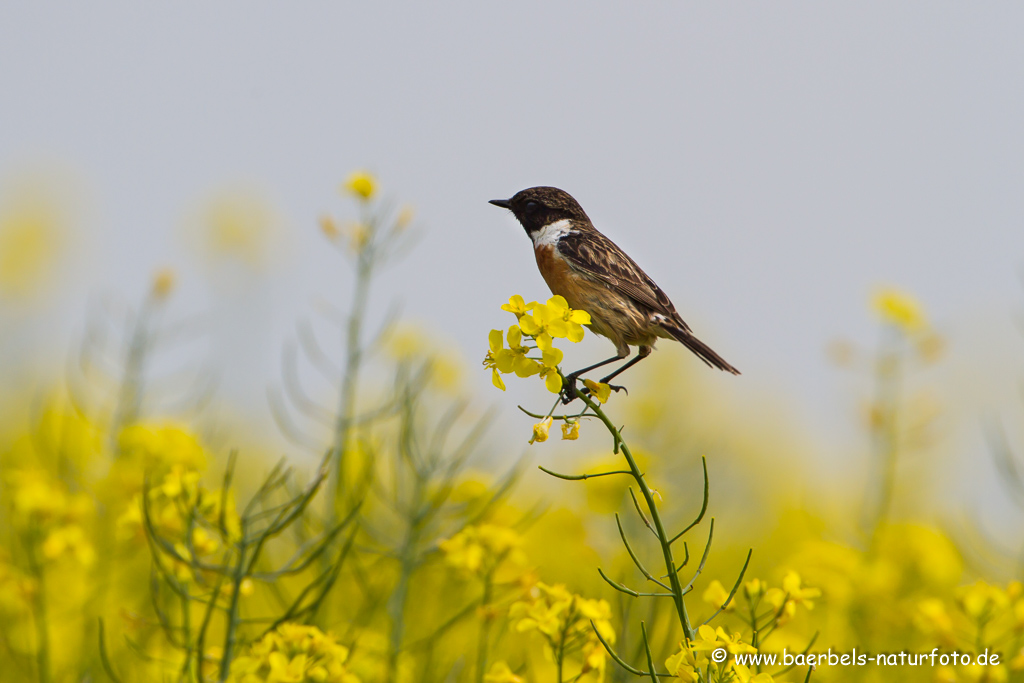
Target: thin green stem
{"x":664,"y":539}
{"x":485,"y":628}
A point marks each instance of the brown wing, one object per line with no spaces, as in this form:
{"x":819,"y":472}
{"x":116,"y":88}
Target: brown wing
{"x":590,"y":252}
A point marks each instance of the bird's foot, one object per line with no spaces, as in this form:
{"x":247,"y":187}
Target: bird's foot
{"x":568,"y":392}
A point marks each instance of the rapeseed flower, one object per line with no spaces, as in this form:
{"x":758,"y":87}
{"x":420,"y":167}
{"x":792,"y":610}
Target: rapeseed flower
{"x":362,"y":185}
{"x":293,"y":652}
{"x":899,"y":309}
{"x":478,"y":549}
{"x":540,"y":430}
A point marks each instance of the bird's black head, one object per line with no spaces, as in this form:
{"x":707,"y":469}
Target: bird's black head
{"x":536,"y":207}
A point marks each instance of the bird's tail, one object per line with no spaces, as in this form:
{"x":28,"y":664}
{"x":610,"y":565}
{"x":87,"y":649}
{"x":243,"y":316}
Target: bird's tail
{"x":699,"y":348}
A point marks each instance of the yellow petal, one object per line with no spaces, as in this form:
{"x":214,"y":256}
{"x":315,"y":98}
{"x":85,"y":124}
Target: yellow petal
{"x":543,"y":341}
{"x":553,"y":381}
{"x":580,"y":317}
{"x":570,"y":431}
{"x":525,"y":367}
{"x":558,"y":302}
{"x":530,"y":325}
{"x":515,"y":336}
{"x":515,"y":305}
{"x":552,"y":357}
{"x":575,"y":334}
{"x":557,"y":328}
{"x":496,"y":380}
{"x":496,"y":341}
{"x":598,"y":390}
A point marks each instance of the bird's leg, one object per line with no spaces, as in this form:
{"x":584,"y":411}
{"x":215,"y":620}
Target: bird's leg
{"x":568,"y":395}
{"x":644,"y":351}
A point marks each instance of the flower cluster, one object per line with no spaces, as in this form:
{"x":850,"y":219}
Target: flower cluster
{"x":980,"y":616}
{"x":481,"y":548}
{"x":50,"y":518}
{"x":564,"y":620}
{"x":294,"y":653}
{"x":196,"y":521}
{"x":541,"y":323}
{"x":694,"y":659}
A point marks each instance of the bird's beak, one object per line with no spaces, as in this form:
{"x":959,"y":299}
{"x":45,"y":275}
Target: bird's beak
{"x":503,"y":203}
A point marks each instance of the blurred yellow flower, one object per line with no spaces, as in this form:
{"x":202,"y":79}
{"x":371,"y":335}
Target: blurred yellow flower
{"x":32,"y":236}
{"x":361,"y":184}
{"x":240,"y":225}
{"x":899,"y":309}
{"x":479,"y":549}
{"x":540,"y":430}
{"x":293,"y":652}
{"x":716,"y":595}
{"x":792,"y":594}
{"x":329,"y":228}
{"x":501,"y":673}
{"x":981,"y":599}
{"x":404,"y":218}
{"x":163,"y":283}
{"x":158,"y":445}
{"x":69,"y":540}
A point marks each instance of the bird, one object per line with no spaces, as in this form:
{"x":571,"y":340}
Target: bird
{"x":593,"y":274}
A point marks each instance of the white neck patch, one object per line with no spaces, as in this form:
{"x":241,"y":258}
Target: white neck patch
{"x":550,"y":233}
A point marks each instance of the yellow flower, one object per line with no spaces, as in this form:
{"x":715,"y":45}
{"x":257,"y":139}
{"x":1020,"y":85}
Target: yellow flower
{"x":32,"y":236}
{"x":570,"y":431}
{"x":556,"y":319}
{"x":501,"y":673}
{"x":240,"y":225}
{"x":754,"y":589}
{"x":329,"y":228}
{"x":293,"y":653}
{"x":518,"y":306}
{"x":512,"y":359}
{"x":716,"y":595}
{"x":899,"y":309}
{"x":480,"y":548}
{"x":981,"y":599}
{"x":163,"y":283}
{"x":157,"y":445}
{"x":540,"y":430}
{"x":932,"y":617}
{"x":549,"y":370}
{"x":69,"y":540}
{"x":683,"y":664}
{"x":361,"y":184}
{"x":598,"y":390}
{"x":797,"y":593}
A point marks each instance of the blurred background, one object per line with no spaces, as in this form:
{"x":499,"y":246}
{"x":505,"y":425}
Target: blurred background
{"x":789,"y":174}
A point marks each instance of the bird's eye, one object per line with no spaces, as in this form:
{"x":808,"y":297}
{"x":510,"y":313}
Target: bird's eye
{"x":531,"y":207}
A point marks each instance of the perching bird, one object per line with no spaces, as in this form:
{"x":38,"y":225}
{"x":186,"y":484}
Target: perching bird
{"x":594,"y":275}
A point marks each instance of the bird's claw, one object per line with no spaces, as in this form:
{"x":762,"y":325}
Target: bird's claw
{"x":568,"y":392}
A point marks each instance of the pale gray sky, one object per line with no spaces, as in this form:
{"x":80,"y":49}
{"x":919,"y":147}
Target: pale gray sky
{"x":767,"y":163}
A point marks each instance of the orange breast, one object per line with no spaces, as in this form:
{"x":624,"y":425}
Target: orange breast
{"x":559,"y":275}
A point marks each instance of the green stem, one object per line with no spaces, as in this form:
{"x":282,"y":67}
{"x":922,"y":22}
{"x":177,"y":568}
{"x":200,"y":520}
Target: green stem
{"x":231,"y":637}
{"x":350,"y":382}
{"x":485,"y":629}
{"x":397,"y":602}
{"x":663,"y":538}
{"x":42,"y":632}
{"x":885,"y":433}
